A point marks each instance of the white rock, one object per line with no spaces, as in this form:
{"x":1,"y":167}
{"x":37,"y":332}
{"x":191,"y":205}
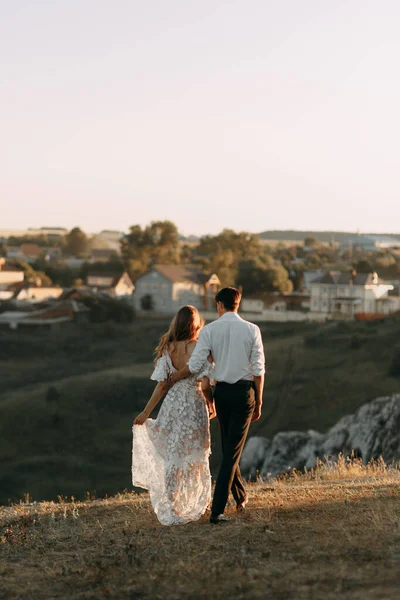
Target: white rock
{"x":373,"y":431}
{"x":253,"y":456}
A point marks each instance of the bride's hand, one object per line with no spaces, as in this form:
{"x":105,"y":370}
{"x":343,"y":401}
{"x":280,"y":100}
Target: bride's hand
{"x":140,"y":419}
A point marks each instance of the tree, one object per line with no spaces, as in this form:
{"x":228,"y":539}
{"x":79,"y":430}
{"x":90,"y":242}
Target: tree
{"x":76,"y":243}
{"x":297,"y":279}
{"x":257,"y":277}
{"x":156,"y":243}
{"x":363,"y":266}
{"x":59,"y":272}
{"x":31,"y":275}
{"x":223,"y":252}
{"x":311,"y":242}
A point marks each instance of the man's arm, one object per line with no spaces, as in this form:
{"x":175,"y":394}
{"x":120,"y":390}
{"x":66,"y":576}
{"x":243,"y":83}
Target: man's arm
{"x":198,"y":358}
{"x":259,"y":385}
{"x":257,"y":360}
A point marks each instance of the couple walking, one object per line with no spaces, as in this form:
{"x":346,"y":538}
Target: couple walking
{"x":171,"y":453}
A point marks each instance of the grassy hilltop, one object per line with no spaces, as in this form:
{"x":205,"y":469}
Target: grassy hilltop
{"x":67,"y":400}
{"x":333,"y":533}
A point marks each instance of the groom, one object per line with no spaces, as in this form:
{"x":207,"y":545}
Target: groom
{"x":238,"y":352}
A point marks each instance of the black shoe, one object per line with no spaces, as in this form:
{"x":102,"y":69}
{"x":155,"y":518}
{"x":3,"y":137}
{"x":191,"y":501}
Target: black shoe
{"x":216,"y":519}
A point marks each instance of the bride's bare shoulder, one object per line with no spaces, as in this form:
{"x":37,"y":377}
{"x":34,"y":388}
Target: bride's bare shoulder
{"x":171,"y":348}
{"x":191,"y":346}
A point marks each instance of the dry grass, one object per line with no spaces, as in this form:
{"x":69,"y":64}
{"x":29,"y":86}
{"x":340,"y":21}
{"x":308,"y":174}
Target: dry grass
{"x":332,"y":533}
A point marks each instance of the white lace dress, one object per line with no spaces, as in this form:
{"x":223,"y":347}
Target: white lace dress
{"x":170,"y":455}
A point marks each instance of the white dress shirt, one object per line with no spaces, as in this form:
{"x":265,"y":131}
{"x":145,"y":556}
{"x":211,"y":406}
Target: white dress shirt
{"x":235,"y":345}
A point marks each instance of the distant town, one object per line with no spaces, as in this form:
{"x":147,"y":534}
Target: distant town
{"x":52,"y":276}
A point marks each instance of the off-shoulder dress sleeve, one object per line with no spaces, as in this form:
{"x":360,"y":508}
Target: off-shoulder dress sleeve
{"x":208,"y":370}
{"x":161,"y":369}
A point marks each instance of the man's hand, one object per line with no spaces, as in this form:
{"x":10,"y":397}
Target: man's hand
{"x":212,"y":413}
{"x":172,"y":379}
{"x":256,"y":413}
{"x":140,"y":419}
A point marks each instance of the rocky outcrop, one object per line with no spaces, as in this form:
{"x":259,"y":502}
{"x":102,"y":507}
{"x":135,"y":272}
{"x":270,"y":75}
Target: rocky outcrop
{"x":371,"y":432}
{"x":253,"y":456}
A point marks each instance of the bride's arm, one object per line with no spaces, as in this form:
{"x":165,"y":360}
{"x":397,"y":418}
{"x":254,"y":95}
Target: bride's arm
{"x":156,"y":396}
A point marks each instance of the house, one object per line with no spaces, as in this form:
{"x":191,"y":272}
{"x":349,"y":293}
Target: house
{"x":50,"y":316}
{"x":108,"y":240}
{"x":113,"y":283}
{"x":274,"y":301}
{"x":371,"y":242}
{"x":309,"y":277}
{"x":74,"y":263}
{"x":37,"y":292}
{"x":262,"y":302}
{"x":102,"y":254}
{"x":166,"y":288}
{"x":51,"y":253}
{"x":344,"y":295}
{"x":9,"y":275}
{"x":27,"y":252}
{"x":53,"y":234}
{"x":252,"y":305}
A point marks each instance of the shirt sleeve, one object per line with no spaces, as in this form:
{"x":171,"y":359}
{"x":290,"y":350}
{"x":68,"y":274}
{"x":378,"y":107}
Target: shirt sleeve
{"x":208,"y":370}
{"x":257,"y":358}
{"x":201,"y":352}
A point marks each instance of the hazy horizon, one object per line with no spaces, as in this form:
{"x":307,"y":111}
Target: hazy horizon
{"x":257,"y":232}
{"x":255,"y":116}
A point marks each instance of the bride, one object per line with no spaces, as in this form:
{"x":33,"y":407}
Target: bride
{"x":171,"y":453}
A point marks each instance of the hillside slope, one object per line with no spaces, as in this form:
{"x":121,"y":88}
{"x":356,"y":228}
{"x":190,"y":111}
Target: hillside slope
{"x":323,"y":236}
{"x":331,"y":535}
{"x":67,"y":401}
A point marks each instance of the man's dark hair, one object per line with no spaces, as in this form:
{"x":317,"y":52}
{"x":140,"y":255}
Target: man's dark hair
{"x":230,"y":297}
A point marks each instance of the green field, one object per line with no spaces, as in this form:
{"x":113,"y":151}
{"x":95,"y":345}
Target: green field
{"x":67,"y":399}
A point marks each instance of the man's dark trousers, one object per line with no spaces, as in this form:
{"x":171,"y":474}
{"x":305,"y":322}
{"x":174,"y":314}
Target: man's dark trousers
{"x":235,"y":406}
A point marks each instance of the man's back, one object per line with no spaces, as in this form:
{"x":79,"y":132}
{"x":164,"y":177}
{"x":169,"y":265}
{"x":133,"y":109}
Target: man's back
{"x":236,"y":348}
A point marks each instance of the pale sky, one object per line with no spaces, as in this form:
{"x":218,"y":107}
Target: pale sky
{"x":248,"y":114}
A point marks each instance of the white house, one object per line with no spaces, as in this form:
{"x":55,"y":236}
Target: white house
{"x":309,"y":277}
{"x":166,"y":288}
{"x":37,"y":292}
{"x":116,"y":284}
{"x":372,"y":242}
{"x":344,"y":295}
{"x":9,"y":275}
{"x":110,"y":240}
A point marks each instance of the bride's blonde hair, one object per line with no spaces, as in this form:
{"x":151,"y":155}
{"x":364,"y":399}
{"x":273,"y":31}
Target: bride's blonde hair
{"x":185,"y":326}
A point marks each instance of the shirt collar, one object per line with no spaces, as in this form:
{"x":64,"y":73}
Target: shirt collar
{"x":230,"y":315}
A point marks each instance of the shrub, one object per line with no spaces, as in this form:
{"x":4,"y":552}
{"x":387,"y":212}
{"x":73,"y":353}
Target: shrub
{"x":357,"y":340}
